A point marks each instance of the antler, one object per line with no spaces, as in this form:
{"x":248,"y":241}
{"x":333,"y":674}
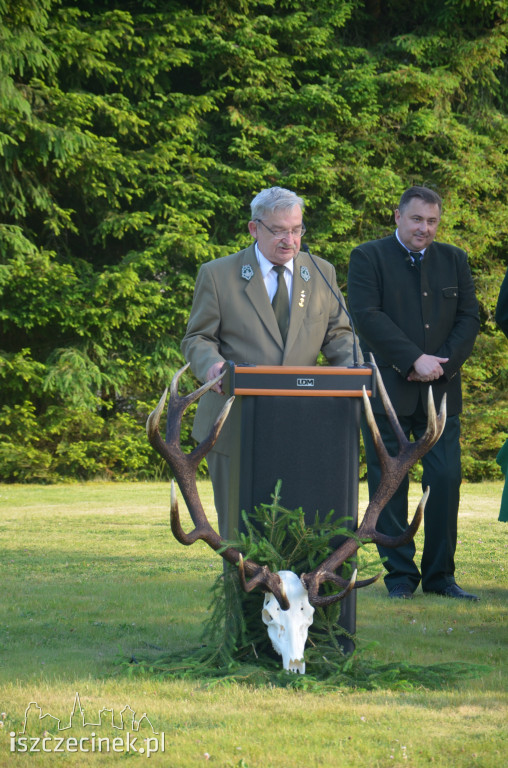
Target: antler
{"x":393,"y":470}
{"x":184,"y":467}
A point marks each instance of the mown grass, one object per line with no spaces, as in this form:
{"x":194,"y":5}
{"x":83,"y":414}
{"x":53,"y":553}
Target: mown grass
{"x":90,"y":573}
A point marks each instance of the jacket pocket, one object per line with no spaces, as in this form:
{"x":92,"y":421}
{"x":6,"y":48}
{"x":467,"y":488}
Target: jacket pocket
{"x":450,"y":293}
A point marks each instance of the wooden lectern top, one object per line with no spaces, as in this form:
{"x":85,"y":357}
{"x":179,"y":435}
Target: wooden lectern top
{"x":298,"y":381}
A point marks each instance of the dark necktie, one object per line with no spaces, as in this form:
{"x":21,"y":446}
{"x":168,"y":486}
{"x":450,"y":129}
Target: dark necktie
{"x":280,"y":302}
{"x":416,"y":258}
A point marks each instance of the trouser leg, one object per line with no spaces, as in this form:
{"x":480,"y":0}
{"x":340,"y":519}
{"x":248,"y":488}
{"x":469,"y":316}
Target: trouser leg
{"x":442,"y":473}
{"x":238,"y":606}
{"x":393,"y":520}
{"x":218,"y":466}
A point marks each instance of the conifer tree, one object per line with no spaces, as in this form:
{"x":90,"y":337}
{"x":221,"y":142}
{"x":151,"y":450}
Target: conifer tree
{"x":133,"y":136}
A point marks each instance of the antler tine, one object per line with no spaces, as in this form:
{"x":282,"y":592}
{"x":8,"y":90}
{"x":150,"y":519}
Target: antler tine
{"x":265,"y":579}
{"x":195,"y":394}
{"x":435,"y":422}
{"x":409,"y":452}
{"x":393,"y":470}
{"x":387,"y":405}
{"x":410,"y":532}
{"x":313,"y":585}
{"x":176,"y":408}
{"x":205,"y":532}
{"x":184,"y":467}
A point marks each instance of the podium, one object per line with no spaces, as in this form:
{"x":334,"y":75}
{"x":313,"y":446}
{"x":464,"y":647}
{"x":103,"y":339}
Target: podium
{"x":300,"y":425}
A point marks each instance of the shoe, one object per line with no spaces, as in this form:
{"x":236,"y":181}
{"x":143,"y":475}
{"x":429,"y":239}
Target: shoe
{"x":401,"y":591}
{"x":453,"y":590}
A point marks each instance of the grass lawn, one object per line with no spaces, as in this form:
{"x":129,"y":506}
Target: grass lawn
{"x":91,"y":572}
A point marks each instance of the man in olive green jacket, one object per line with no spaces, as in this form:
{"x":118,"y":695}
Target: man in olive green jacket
{"x":414,"y":306}
{"x":232,"y":317}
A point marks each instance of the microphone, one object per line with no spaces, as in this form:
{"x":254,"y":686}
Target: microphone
{"x":356,"y":364}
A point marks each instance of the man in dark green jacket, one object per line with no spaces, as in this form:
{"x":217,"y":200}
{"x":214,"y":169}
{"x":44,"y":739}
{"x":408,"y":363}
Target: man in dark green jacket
{"x":502,"y":306}
{"x":502,"y":456}
{"x":414,"y":306}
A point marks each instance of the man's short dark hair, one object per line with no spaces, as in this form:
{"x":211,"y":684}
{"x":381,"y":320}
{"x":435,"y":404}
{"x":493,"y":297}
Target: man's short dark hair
{"x":424,"y":193}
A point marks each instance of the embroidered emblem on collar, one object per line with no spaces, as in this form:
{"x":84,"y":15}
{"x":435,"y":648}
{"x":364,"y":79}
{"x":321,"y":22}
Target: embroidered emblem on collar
{"x":247,"y":272}
{"x":305,"y":274}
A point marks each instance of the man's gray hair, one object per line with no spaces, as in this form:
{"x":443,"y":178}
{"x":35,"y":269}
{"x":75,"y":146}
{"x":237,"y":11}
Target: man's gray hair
{"x":423,"y":193}
{"x":273,"y":199}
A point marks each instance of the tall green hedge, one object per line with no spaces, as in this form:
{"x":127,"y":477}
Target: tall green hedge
{"x":133,"y":136}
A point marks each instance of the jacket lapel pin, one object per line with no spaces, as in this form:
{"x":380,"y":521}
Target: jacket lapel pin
{"x":305,"y":274}
{"x":247,"y":272}
{"x":301,"y":303}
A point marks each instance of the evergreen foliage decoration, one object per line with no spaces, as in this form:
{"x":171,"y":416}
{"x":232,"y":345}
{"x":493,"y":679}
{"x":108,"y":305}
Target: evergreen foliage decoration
{"x":236,"y":647}
{"x":133,"y":136}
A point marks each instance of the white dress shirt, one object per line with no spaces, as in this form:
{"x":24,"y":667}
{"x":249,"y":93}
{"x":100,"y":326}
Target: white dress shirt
{"x":270,"y":276}
{"x":422,"y":252}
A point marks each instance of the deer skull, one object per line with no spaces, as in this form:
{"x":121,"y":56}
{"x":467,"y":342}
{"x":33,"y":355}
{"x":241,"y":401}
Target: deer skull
{"x":288,"y":629}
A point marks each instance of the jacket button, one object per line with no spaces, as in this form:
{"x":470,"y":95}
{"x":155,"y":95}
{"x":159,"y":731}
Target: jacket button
{"x":427,"y":325}
{"x":425,"y":293}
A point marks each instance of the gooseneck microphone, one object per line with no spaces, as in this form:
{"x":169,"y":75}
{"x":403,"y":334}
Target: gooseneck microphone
{"x":356,"y":364}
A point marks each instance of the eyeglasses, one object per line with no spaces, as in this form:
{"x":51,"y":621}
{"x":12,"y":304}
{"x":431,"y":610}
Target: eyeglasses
{"x":281,"y":234}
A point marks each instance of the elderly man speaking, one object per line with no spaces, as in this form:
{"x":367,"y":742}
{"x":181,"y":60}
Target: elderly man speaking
{"x":266,"y":305}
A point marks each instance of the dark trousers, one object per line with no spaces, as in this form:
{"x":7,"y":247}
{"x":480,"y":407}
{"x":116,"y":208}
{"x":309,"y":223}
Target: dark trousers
{"x":442,"y":472}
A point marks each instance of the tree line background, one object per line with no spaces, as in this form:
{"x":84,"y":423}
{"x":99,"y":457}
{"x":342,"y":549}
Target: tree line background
{"x":133,"y":135}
